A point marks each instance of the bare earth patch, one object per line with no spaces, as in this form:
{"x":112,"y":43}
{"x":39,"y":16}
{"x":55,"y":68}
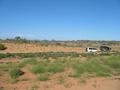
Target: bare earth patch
{"x":13,"y":60}
{"x":25,"y":48}
{"x":91,"y":84}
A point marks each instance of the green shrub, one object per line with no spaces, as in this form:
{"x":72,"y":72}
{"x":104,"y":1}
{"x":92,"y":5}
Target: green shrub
{"x":56,"y":67}
{"x":38,"y":69}
{"x":15,"y":73}
{"x":43,"y":55}
{"x":88,"y":54}
{"x":114,"y":63}
{"x":102,"y":73}
{"x":44,"y":66}
{"x":91,"y":67}
{"x":2,"y":47}
{"x":6,"y":55}
{"x":31,"y":61}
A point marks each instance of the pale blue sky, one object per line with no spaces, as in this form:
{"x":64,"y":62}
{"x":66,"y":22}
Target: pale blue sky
{"x":60,"y":19}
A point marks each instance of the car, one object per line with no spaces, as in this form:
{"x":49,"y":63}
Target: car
{"x":105,"y":48}
{"x":90,"y":49}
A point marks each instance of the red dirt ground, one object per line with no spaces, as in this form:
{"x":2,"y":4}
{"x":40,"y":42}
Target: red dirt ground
{"x":71,"y":84}
{"x":24,"y":48}
{"x":29,"y":81}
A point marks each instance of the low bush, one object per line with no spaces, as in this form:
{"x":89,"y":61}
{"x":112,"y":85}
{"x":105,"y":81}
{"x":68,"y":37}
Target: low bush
{"x":91,"y":67}
{"x":15,"y":73}
{"x":114,"y":63}
{"x":44,"y":55}
{"x":2,"y":47}
{"x":44,"y":66}
{"x":31,"y":61}
{"x":38,"y":69}
{"x":56,"y":67}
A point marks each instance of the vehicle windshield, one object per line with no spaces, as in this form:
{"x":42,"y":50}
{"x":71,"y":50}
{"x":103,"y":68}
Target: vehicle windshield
{"x":92,"y":48}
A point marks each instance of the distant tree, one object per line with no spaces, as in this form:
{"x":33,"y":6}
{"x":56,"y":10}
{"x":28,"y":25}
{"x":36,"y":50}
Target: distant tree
{"x":17,"y":38}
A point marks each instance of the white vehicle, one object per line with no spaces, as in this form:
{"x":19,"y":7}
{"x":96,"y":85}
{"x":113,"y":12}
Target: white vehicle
{"x":91,"y":49}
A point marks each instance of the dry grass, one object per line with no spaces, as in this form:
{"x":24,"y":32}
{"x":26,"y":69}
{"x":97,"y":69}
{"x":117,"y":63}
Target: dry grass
{"x":57,"y":70}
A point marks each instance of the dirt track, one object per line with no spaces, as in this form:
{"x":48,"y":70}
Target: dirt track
{"x":24,"y":48}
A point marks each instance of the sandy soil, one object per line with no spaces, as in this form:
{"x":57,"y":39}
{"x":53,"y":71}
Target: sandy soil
{"x":71,"y":84}
{"x":5,"y":60}
{"x":24,"y":48}
{"x":29,"y":81}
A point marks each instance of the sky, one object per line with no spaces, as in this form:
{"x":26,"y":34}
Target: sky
{"x":60,"y":19}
